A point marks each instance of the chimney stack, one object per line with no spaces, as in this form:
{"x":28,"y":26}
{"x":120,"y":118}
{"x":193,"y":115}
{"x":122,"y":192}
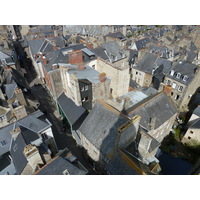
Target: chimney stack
{"x":75,"y":57}
{"x":168,"y":89}
{"x":54,"y":45}
{"x":44,"y":60}
{"x":81,"y":66}
{"x":102,"y":77}
{"x":127,"y":102}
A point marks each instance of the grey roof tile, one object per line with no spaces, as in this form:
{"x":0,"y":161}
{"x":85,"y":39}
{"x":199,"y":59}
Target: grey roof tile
{"x":152,"y":107}
{"x":58,"y":165}
{"x":71,"y":110}
{"x":9,"y":90}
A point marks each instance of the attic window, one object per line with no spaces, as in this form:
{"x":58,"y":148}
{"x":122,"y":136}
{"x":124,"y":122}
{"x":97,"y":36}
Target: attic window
{"x":185,"y":78}
{"x":3,"y":143}
{"x":66,"y":172}
{"x":178,"y":75}
{"x":3,"y":61}
{"x":172,"y":72}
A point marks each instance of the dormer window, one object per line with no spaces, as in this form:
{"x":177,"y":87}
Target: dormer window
{"x":185,"y":78}
{"x":172,"y":72}
{"x":178,"y":75}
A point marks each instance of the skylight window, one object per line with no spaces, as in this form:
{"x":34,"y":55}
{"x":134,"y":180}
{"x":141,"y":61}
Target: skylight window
{"x":3,"y":143}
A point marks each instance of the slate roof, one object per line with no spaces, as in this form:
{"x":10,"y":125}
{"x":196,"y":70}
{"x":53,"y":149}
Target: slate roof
{"x":133,"y":54}
{"x":118,"y":166}
{"x":117,"y":35}
{"x":7,"y":57}
{"x":191,"y":56}
{"x":184,"y":68}
{"x":44,"y":45}
{"x":93,"y":30}
{"x":166,"y":64}
{"x":140,"y":44}
{"x":152,"y":107}
{"x":113,"y":51}
{"x":146,"y":64}
{"x":32,"y":123}
{"x":160,"y":50}
{"x":9,"y":90}
{"x":71,"y":110}
{"x":16,"y":151}
{"x":100,"y":127}
{"x":197,"y":111}
{"x":100,"y":53}
{"x":61,"y":55}
{"x":196,"y":125}
{"x":58,"y":165}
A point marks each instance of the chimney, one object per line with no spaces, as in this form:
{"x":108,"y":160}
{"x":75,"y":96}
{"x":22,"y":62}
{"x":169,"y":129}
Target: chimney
{"x":54,"y":45}
{"x":75,"y":57}
{"x":44,"y":60}
{"x":102,"y":77}
{"x":20,"y":96}
{"x":81,"y":66}
{"x":127,"y":102}
{"x":167,"y":89}
{"x":119,"y":100}
{"x":33,"y":156}
{"x":15,"y":132}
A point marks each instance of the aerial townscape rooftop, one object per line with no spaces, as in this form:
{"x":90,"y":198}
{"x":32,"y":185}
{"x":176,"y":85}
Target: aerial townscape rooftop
{"x":99,"y":100}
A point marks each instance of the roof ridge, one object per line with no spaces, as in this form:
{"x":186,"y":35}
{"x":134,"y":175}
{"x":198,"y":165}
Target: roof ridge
{"x":157,"y":95}
{"x":112,"y":109}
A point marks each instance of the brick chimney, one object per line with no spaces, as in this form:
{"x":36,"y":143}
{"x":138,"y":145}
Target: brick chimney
{"x":75,"y":57}
{"x":167,"y":89}
{"x":54,"y":45}
{"x":81,"y":66}
{"x":102,"y":77}
{"x":33,"y":156}
{"x":44,"y":60}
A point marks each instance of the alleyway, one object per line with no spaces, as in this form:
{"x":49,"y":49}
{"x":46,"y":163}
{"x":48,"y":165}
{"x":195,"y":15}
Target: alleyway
{"x":39,"y":92}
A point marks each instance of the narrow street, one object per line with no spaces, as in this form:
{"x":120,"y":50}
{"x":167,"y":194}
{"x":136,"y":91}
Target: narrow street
{"x":63,"y":139}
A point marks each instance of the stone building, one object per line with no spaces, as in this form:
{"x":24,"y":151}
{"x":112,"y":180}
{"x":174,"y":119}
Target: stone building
{"x":184,"y":81}
{"x":113,"y":61}
{"x":83,"y":84}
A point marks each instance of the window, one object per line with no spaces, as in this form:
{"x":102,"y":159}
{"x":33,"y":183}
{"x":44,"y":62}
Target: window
{"x":172,"y":94}
{"x":185,"y":78}
{"x":174,"y":85}
{"x":189,"y":137}
{"x":86,"y":87}
{"x":86,"y":99}
{"x":191,"y":132}
{"x":65,"y":172}
{"x":172,"y":72}
{"x":176,"y":97}
{"x":93,"y":66}
{"x":44,"y":136}
{"x":180,"y":88}
{"x":83,"y":99}
{"x":168,"y":82}
{"x":82,"y":89}
{"x":3,"y":61}
{"x":2,"y":118}
{"x":3,"y":143}
{"x":136,"y":73}
{"x":178,"y":75}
